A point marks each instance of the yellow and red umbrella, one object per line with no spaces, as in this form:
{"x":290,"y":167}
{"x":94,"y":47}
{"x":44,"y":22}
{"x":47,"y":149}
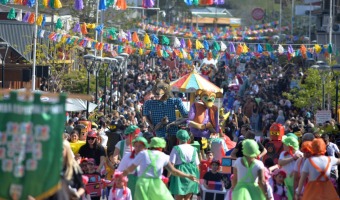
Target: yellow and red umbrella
{"x":194,"y":81}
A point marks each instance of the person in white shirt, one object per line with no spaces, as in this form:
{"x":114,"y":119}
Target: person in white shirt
{"x":151,"y":162}
{"x":125,"y":146}
{"x":139,"y":144}
{"x":318,"y":170}
{"x":185,"y":158}
{"x":249,"y":179}
{"x":287,"y":160}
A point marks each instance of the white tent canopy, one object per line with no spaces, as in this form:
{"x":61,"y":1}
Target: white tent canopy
{"x":78,"y":105}
{"x":72,"y":104}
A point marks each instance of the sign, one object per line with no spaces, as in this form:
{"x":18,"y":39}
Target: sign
{"x":322,"y":116}
{"x":30,"y":147}
{"x":257,"y":14}
{"x":311,"y":1}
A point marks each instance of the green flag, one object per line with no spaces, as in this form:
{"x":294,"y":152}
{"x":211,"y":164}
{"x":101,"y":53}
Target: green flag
{"x":30,"y":146}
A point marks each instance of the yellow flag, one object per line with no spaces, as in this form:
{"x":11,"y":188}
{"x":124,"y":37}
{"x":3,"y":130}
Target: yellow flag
{"x":317,"y":48}
{"x":39,"y":20}
{"x":147,"y":39}
{"x":245,"y":49}
{"x":57,"y":4}
{"x":199,"y":45}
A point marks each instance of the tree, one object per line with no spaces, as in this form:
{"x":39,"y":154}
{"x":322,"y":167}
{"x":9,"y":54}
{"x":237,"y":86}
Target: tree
{"x":309,"y":93}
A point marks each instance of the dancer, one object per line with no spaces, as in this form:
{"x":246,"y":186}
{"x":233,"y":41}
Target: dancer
{"x":318,"y":170}
{"x":184,"y":157}
{"x":149,"y":184}
{"x":246,"y":170}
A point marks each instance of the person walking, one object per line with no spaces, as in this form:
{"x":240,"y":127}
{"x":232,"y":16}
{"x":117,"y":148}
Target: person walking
{"x":139,"y":144}
{"x":151,"y":162}
{"x":184,"y":157}
{"x":246,"y":171}
{"x":318,"y":171}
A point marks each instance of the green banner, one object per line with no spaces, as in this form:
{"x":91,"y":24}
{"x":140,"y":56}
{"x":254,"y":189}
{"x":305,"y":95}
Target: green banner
{"x":30,"y":146}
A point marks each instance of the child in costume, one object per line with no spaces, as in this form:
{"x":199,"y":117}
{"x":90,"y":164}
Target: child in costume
{"x":119,"y":191}
{"x":185,"y":158}
{"x":149,"y":185}
{"x":139,"y":144}
{"x":318,"y":170}
{"x":277,"y":184}
{"x":287,"y":160}
{"x":125,"y":146}
{"x":246,"y":171}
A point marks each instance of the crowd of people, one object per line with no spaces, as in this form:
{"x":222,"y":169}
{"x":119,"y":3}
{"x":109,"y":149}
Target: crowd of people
{"x":137,"y":164}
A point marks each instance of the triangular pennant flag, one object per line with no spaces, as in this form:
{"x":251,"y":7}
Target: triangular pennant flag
{"x":39,"y":20}
{"x":59,"y":24}
{"x":19,"y":16}
{"x":280,"y":49}
{"x":147,"y":40}
{"x":11,"y":14}
{"x":223,"y":46}
{"x":177,"y":43}
{"x":259,"y":48}
{"x":330,"y":49}
{"x":78,"y":5}
{"x":198,"y":45}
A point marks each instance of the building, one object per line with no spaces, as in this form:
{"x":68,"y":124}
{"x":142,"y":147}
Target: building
{"x":212,"y":17}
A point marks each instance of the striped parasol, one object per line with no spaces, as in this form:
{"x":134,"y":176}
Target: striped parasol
{"x":192,"y":82}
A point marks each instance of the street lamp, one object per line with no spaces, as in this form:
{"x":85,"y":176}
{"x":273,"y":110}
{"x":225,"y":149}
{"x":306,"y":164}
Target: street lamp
{"x":96,"y":73}
{"x":120,"y":74}
{"x":334,"y":69}
{"x":124,"y":65}
{"x":110,"y":62}
{"x":90,"y":61}
{"x":323,"y":68}
{"x":4,"y":46}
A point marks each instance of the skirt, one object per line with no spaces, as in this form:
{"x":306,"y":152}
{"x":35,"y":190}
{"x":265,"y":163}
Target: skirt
{"x":184,"y":186}
{"x":247,"y":191}
{"x":151,"y":189}
{"x":320,"y":190}
{"x":131,"y":184}
{"x":289,"y":182}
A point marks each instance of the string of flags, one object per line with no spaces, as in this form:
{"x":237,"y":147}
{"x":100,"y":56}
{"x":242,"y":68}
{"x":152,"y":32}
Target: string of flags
{"x":160,"y":46}
{"x":218,"y":34}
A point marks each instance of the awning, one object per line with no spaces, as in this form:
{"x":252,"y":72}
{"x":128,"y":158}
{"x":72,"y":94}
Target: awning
{"x":19,"y":35}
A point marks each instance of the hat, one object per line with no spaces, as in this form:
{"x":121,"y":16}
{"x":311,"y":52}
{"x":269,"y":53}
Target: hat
{"x":291,"y":142}
{"x":91,"y":160}
{"x":140,"y":139}
{"x":216,"y":162}
{"x":119,"y":174}
{"x":157,"y":142}
{"x":318,"y":146}
{"x":83,"y":160}
{"x":132,"y":129}
{"x":183,"y":135}
{"x":250,"y":148}
{"x":306,"y":147}
{"x":92,"y":134}
{"x":279,"y":171}
{"x":292,"y":135}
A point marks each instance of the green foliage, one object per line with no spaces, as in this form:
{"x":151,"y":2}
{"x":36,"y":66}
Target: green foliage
{"x":309,"y":95}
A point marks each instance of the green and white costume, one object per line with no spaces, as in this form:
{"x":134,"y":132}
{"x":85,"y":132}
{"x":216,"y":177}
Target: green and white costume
{"x":125,"y":162}
{"x":183,"y":186}
{"x":149,"y":185}
{"x":247,"y":187}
